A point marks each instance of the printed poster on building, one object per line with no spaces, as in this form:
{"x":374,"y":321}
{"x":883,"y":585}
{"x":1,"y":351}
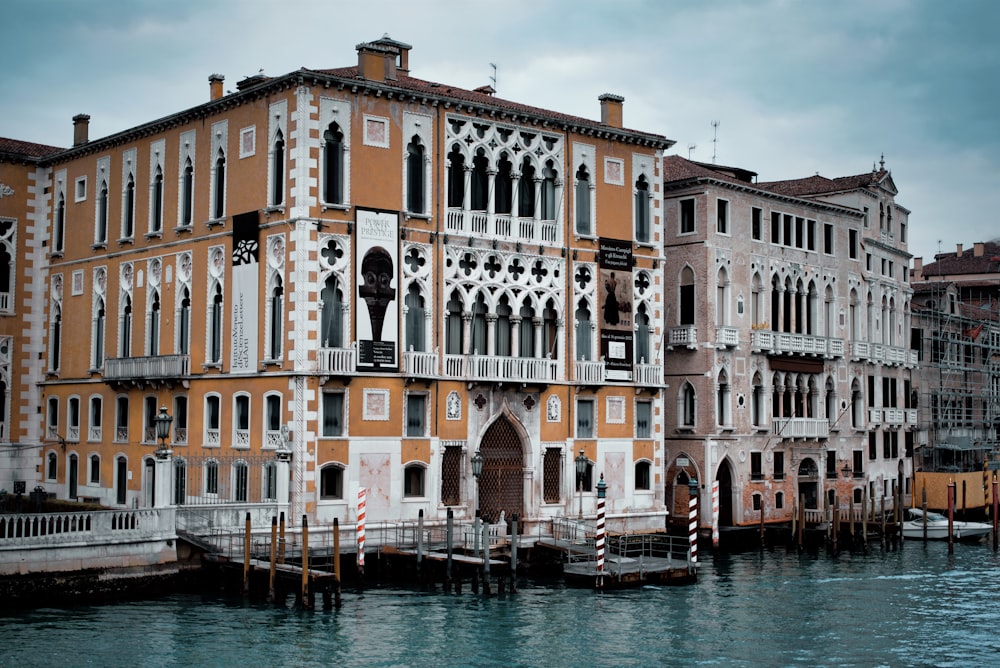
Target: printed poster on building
{"x":246,"y":278}
{"x":615,"y":305}
{"x":377,"y":262}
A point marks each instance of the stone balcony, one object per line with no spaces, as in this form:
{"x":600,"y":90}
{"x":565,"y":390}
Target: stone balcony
{"x":787,"y":343}
{"x":337,"y":361}
{"x":419,"y":364}
{"x":879,"y":353}
{"x":498,"y":369}
{"x":154,"y":370}
{"x":502,"y":226}
{"x":685,"y":336}
{"x":800,"y":428}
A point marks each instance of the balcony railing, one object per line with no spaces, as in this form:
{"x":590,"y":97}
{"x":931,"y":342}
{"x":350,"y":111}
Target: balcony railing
{"x":156,"y":367}
{"x":874,"y":416}
{"x":685,"y":335}
{"x":911,"y":416}
{"x":728,"y":337}
{"x":787,"y":343}
{"x":419,"y":364}
{"x":648,"y":375}
{"x":588,"y":371}
{"x":865,"y":351}
{"x":336,"y":360}
{"x":503,"y":226}
{"x":800,"y":427}
{"x":499,"y":368}
{"x":893,"y":417}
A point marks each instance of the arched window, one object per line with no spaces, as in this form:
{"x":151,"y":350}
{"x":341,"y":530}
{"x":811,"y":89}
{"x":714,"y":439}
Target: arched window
{"x":414,"y":319}
{"x":96,"y":414}
{"x":241,"y":481}
{"x":331,"y":482}
{"x":480,"y":181}
{"x":503,"y":186}
{"x":187,"y":194}
{"x":831,"y":401}
{"x":415,"y":176}
{"x":97,"y":353}
{"x":526,"y":332}
{"x":502,"y":329}
{"x":333,"y":165}
{"x":686,"y":297}
{"x":277,"y":316}
{"x":180,"y":482}
{"x":215,"y":327}
{"x":526,"y":191}
{"x":331,"y":328}
{"x":642,"y":234}
{"x":278,"y":170}
{"x":59,"y":229}
{"x":52,"y":467}
{"x":581,"y":197}
{"x":128,"y":215}
{"x":456,"y":179}
{"x":642,"y":351}
{"x":722,"y":298}
{"x":413,"y":480}
{"x":550,"y":330}
{"x":688,"y":406}
{"x":125,"y":337}
{"x":180,"y":420}
{"x":757,"y":402}
{"x":269,"y":482}
{"x":211,"y":477}
{"x":857,"y":406}
{"x":549,"y":192}
{"x":722,"y":410}
{"x":454,"y":331}
{"x":101,"y":233}
{"x":584,"y":344}
{"x":184,"y":323}
{"x":643,"y":479}
{"x":55,"y":338}
{"x":219,"y":186}
{"x":156,"y":202}
{"x":478,"y":331}
{"x":154,"y":325}
{"x":241,"y":421}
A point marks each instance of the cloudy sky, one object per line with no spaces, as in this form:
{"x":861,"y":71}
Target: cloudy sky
{"x":798,"y":87}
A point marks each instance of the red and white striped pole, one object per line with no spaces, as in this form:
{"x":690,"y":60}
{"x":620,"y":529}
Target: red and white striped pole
{"x":715,"y":513}
{"x":362,"y":496}
{"x":693,"y":522}
{"x":602,"y":492}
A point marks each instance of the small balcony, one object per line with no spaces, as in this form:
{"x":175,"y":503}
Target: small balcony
{"x":491,"y":368}
{"x":911,"y":417}
{"x":874,"y":416}
{"x":786,"y":343}
{"x":800,"y":428}
{"x":588,"y":372}
{"x":648,"y":375}
{"x":879,"y":353}
{"x":418,"y":364}
{"x":727,"y":337}
{"x":336,"y":361}
{"x":502,"y":226}
{"x":153,"y":371}
{"x":685,"y":335}
{"x":893,"y":417}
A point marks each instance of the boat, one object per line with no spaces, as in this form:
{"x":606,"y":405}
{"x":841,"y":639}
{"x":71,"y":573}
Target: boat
{"x":937,"y":526}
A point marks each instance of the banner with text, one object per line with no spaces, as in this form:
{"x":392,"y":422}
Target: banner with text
{"x":243,"y":351}
{"x":377,"y":261}
{"x":615,"y":291}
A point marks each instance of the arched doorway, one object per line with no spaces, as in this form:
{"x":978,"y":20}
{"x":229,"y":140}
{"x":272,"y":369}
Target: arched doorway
{"x":809,"y":483}
{"x":725,"y":478}
{"x":121,"y":481}
{"x":501,"y":486}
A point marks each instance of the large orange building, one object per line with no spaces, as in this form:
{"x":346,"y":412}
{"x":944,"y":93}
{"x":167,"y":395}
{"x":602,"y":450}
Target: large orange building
{"x":347,"y":279}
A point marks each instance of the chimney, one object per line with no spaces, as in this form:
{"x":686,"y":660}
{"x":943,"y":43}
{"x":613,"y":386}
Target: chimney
{"x":215,"y":86}
{"x":978,"y":249}
{"x":81,"y":129}
{"x":958,"y":250}
{"x":376,"y":63}
{"x":400,"y":49}
{"x":611,"y":109}
{"x":918,"y":268}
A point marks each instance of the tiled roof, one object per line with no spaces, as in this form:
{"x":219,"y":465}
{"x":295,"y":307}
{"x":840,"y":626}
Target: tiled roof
{"x":951,"y":264}
{"x":26,"y":149}
{"x":677,"y":168}
{"x":818,"y":185}
{"x":420,"y":86}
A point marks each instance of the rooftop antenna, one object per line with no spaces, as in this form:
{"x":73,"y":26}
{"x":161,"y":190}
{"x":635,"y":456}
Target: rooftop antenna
{"x":715,"y":139}
{"x":691,"y":148}
{"x":493,"y":78}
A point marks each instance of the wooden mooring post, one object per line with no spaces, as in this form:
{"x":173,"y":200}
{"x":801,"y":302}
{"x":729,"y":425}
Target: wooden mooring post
{"x":513,"y":553}
{"x":923,"y":506}
{"x":420,"y":542}
{"x":307,"y":601}
{"x":247,"y":537}
{"x":272,"y":562}
{"x":850,"y":519}
{"x":996,"y":508}
{"x":449,"y":535}
{"x":336,"y":561}
{"x":486,"y":558}
{"x":836,"y":522}
{"x":951,"y":517}
{"x":281,"y":538}
{"x":802,"y":517}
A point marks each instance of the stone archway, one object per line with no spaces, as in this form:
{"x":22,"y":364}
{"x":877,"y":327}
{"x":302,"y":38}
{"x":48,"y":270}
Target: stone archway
{"x":725,"y":477}
{"x":808,"y":480}
{"x":501,"y":486}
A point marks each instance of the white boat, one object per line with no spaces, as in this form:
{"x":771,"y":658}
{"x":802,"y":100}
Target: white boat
{"x":937,"y":526}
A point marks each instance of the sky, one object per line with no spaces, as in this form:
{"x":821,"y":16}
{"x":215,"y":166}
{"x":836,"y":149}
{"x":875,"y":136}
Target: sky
{"x":797,"y":87}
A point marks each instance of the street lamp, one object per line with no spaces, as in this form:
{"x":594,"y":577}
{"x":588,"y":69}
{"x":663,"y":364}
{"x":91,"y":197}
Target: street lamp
{"x":477,"y":472}
{"x":162,"y":422}
{"x":581,"y":470}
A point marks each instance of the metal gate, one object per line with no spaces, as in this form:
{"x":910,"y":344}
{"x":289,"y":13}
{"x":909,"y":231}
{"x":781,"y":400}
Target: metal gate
{"x":501,"y":487}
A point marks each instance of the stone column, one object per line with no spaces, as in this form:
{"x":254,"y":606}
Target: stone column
{"x":163,"y":483}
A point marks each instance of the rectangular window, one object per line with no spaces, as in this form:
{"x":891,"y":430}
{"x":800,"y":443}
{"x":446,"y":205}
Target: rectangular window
{"x":756,"y":471}
{"x":859,"y":468}
{"x":779,"y":465}
{"x":416,"y":423}
{"x":331,"y":483}
{"x":811,"y":235}
{"x":886,"y":446}
{"x":787,"y":230}
{"x":552,"y":475}
{"x":800,"y":234}
{"x":687,"y":216}
{"x":828,"y":238}
{"x":852,"y":245}
{"x":585,"y":418}
{"x":451,"y":475}
{"x":831,"y":464}
{"x":775,"y":227}
{"x":872,"y":445}
{"x":644,"y":419}
{"x":333,"y":414}
{"x":722,"y":214}
{"x":756,"y":223}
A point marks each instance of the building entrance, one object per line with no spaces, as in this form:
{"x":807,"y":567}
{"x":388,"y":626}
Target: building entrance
{"x":501,"y":486}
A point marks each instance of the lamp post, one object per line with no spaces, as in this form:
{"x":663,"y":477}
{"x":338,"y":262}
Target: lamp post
{"x":163,"y":421}
{"x":477,"y":472}
{"x":581,"y":471}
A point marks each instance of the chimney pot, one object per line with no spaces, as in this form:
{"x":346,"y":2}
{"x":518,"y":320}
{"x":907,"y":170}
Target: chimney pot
{"x":978,"y":249}
{"x":958,"y":250}
{"x":611,"y":109}
{"x":215,"y":86}
{"x":81,"y":129}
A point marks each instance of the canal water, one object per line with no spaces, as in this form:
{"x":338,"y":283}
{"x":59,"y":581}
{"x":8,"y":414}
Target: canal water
{"x":917,"y":606}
